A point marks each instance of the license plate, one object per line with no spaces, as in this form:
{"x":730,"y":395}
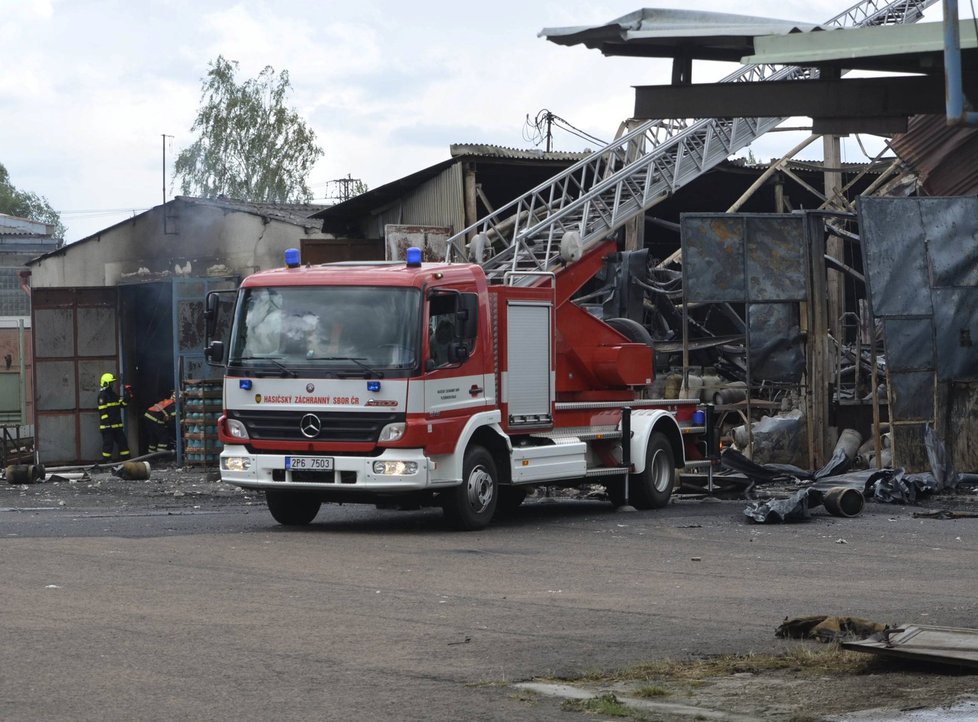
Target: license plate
{"x":309,"y":463}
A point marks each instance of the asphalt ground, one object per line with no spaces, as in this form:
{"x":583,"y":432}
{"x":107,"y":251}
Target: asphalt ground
{"x":179,"y":597}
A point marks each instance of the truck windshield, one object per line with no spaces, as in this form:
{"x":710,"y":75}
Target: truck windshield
{"x":334,"y":329}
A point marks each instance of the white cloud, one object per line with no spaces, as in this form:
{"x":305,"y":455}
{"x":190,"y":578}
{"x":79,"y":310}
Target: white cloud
{"x":89,"y":88}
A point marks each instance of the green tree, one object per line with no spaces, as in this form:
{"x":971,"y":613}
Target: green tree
{"x":26,"y":204}
{"x":249,"y":146}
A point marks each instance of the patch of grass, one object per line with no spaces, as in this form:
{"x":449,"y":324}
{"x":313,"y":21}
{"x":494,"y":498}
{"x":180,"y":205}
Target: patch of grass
{"x":652,"y":690}
{"x":831,"y":660}
{"x":606,"y":704}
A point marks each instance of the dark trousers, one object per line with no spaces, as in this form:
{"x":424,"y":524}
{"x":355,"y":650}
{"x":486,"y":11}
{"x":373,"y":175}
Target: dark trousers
{"x":114,"y":437}
{"x":158,"y":435}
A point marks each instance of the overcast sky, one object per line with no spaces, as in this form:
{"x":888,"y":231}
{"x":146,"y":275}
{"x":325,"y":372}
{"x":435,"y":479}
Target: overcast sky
{"x":88,"y":88}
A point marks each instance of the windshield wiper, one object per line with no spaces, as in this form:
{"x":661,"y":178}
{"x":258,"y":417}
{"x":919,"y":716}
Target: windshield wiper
{"x":355,"y":359}
{"x":285,"y":369}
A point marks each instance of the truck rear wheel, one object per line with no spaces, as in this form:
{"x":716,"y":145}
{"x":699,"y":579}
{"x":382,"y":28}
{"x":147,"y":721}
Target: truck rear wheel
{"x":652,"y":488}
{"x":292,"y":508}
{"x":471,"y":504}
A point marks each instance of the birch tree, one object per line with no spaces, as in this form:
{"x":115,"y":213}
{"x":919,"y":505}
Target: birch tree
{"x":249,"y":145}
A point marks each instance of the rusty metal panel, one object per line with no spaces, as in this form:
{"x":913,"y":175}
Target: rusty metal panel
{"x":98,"y":324}
{"x":952,"y":240}
{"x":75,"y":337}
{"x":432,"y":240}
{"x":733,"y":258}
{"x":89,"y":376}
{"x":713,"y":249}
{"x":777,"y":346}
{"x":912,"y":396}
{"x":909,"y":344}
{"x":56,"y":436}
{"x":956,"y":322}
{"x":190,"y":324}
{"x":55,"y":385}
{"x":334,"y":250}
{"x":56,"y":332}
{"x":894,"y":256}
{"x":943,"y":156}
{"x":776,"y":258}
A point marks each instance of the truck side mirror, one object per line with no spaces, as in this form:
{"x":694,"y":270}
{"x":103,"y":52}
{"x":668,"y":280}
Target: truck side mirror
{"x":210,"y":313}
{"x":214,"y":353}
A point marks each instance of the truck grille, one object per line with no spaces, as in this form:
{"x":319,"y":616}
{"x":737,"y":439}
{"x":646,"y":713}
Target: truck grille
{"x":348,"y":426}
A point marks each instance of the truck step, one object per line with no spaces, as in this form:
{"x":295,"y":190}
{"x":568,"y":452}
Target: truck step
{"x":584,"y":433}
{"x":606,"y":471}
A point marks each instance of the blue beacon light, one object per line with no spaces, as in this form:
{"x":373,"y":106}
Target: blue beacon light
{"x":413,"y":257}
{"x":373,"y":386}
{"x":292,"y":259}
{"x":244,"y":384}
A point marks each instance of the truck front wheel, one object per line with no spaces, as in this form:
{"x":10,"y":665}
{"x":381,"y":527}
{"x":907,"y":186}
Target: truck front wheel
{"x":652,"y":488}
{"x":292,"y":508}
{"x":471,"y":504}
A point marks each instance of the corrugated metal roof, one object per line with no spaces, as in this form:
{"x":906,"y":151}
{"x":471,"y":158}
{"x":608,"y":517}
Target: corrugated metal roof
{"x":917,"y":47}
{"x":481,"y":150}
{"x":658,"y":33}
{"x":389,"y":192}
{"x":944,"y":158}
{"x":16,"y":225}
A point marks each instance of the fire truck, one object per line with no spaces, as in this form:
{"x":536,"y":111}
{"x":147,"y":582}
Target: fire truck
{"x":406,"y":383}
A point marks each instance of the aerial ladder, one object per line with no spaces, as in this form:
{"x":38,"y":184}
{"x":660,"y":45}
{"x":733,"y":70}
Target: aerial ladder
{"x":564,"y":217}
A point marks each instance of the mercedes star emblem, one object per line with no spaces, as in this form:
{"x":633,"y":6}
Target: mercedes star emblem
{"x":310,"y":426}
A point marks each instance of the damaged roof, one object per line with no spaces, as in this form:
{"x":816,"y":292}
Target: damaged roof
{"x":481,"y":150}
{"x":912,"y":48}
{"x":297,"y":214}
{"x":665,"y":33}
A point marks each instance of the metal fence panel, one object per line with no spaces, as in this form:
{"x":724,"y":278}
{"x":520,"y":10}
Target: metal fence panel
{"x":956,"y":323}
{"x":713,"y":258}
{"x":909,"y":344}
{"x":894,"y":257}
{"x":776,"y":258}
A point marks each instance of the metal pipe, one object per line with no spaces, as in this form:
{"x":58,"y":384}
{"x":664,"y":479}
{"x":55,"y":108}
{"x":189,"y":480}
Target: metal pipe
{"x":954,"y":92}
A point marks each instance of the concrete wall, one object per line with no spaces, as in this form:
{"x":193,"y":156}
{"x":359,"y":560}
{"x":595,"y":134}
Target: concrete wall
{"x":199,"y":240}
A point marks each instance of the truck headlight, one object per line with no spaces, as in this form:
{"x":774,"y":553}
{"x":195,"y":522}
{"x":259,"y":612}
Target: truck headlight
{"x":392,"y":432}
{"x":237,"y":429}
{"x":236,"y":463}
{"x":395,"y":468}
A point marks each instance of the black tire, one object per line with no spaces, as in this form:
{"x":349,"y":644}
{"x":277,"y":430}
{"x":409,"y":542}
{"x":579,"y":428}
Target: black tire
{"x":632,"y":330}
{"x":637,"y":333}
{"x":292,"y":508}
{"x":471,"y":504}
{"x":652,"y":488}
{"x":510,"y":498}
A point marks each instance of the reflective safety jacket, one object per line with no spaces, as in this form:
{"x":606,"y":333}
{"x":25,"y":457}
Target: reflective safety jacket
{"x":161,"y":412}
{"x":110,"y":406}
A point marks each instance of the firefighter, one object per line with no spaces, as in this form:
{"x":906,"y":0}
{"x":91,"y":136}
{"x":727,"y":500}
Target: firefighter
{"x":110,"y":408}
{"x":159,"y":423}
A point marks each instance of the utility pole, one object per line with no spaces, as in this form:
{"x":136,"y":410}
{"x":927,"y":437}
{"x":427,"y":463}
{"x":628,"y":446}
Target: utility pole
{"x":348,"y":187}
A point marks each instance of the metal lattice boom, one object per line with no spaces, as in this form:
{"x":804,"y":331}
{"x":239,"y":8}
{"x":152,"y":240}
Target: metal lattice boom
{"x":601,"y":192}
